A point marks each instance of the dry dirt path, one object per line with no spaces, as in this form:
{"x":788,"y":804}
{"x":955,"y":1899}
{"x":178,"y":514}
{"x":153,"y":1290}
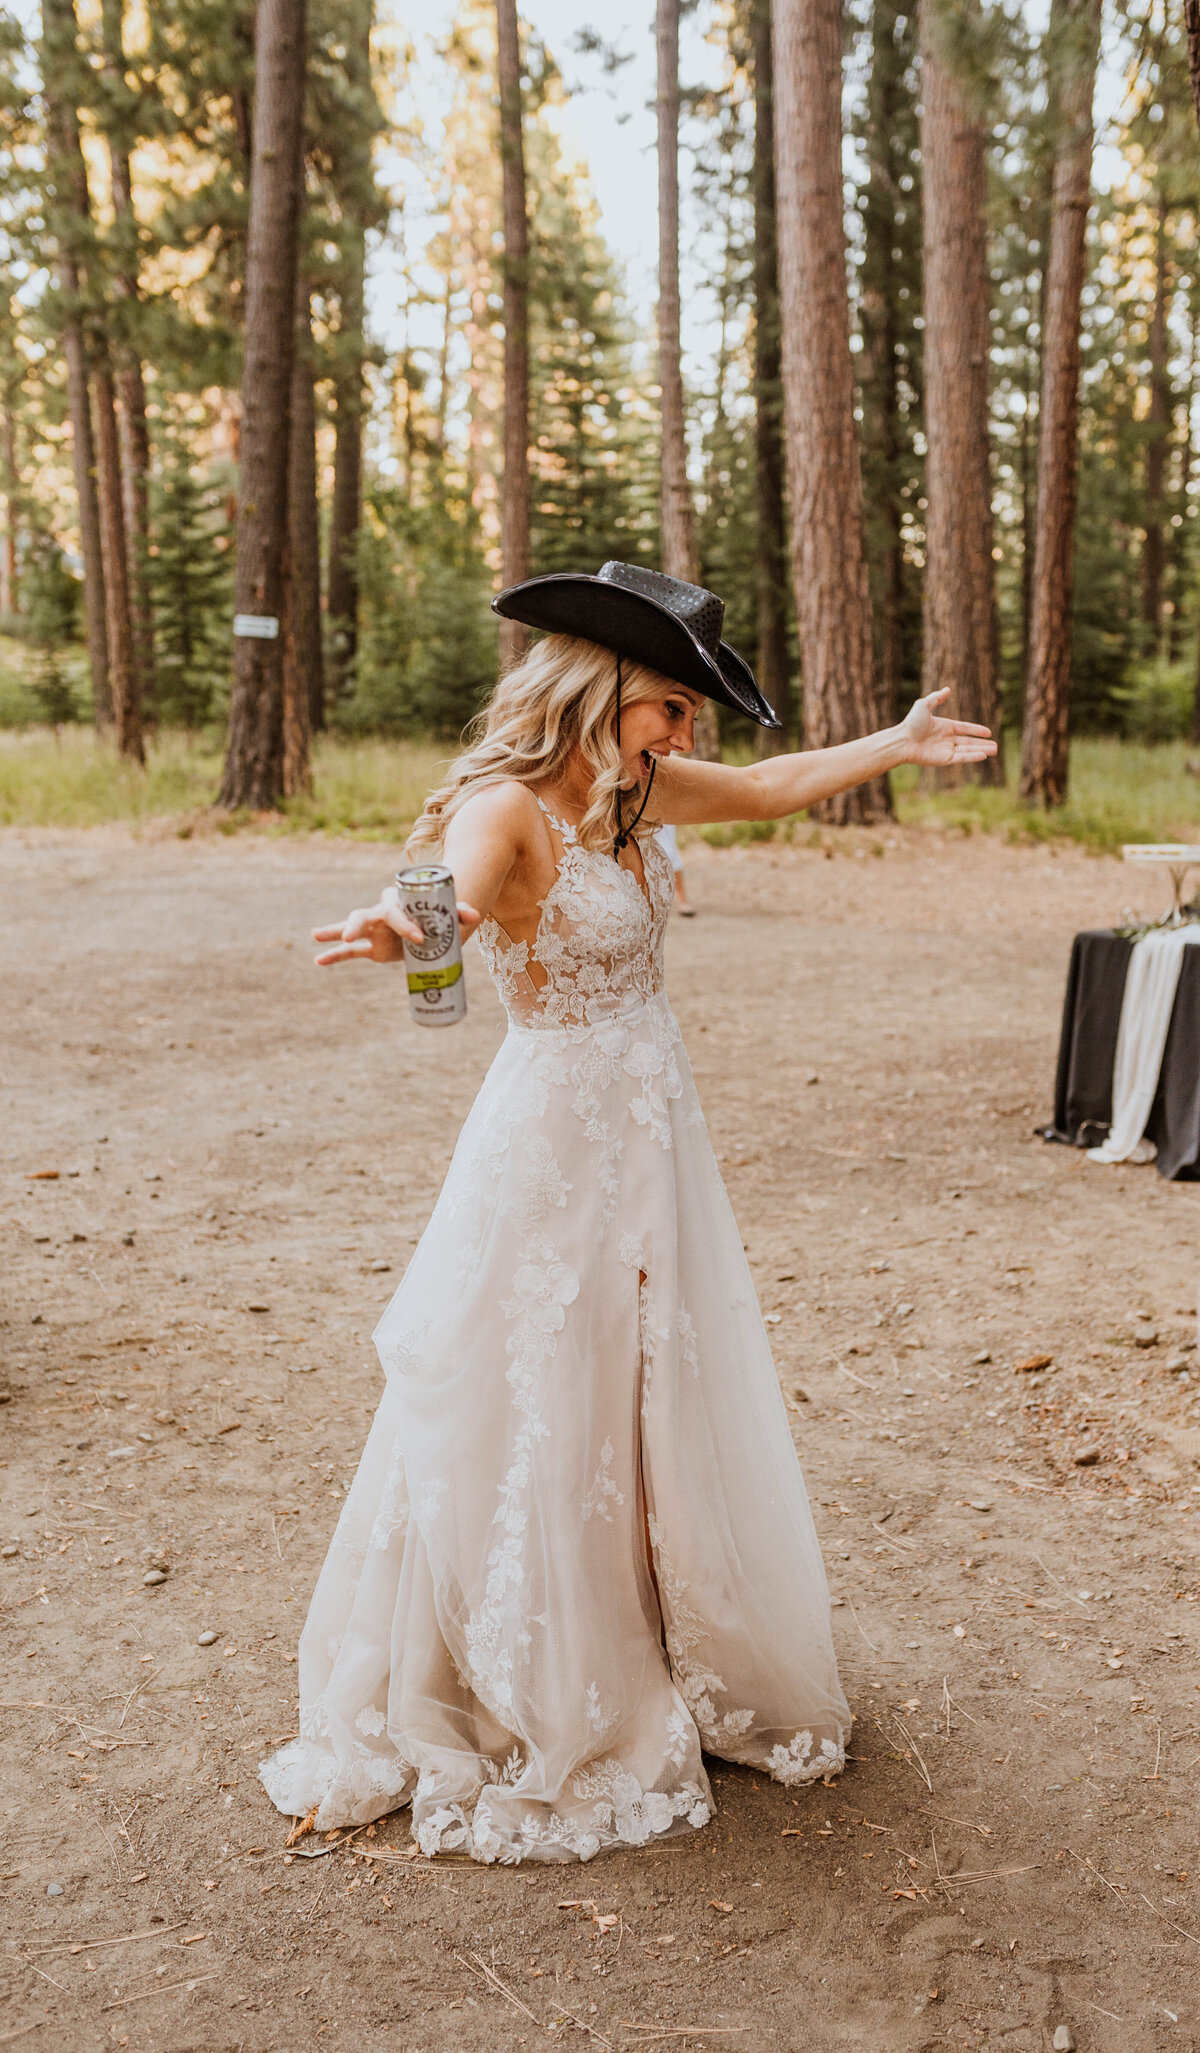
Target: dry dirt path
{"x":245,"y":1153}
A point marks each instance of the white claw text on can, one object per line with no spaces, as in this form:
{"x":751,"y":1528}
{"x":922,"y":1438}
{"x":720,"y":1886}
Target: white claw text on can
{"x":437,"y":994}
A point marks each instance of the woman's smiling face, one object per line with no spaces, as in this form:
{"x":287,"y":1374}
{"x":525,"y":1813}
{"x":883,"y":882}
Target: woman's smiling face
{"x":658,"y":727}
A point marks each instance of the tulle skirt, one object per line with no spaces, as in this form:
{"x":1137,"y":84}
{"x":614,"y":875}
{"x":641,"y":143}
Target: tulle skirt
{"x":578,"y":1549}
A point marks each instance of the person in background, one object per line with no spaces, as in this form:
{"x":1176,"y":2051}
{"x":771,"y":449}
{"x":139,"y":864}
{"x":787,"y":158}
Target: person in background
{"x":669,"y":840}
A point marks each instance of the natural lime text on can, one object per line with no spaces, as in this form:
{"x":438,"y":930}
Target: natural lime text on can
{"x":437,"y":994}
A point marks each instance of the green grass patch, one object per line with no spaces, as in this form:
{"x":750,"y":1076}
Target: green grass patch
{"x":372,"y":789}
{"x":1119,"y":791}
{"x":69,"y":777}
{"x":741,"y":833}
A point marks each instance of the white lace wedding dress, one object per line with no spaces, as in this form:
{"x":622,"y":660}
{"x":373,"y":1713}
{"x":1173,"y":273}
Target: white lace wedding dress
{"x":578,"y":1548}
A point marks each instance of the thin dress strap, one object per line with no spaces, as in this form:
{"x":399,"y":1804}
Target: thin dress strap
{"x":561,"y":827}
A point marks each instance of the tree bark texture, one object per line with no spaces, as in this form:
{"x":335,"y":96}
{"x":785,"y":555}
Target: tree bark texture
{"x":128,"y":381}
{"x":1158,"y":428}
{"x":771,"y":535}
{"x":1179,"y":535}
{"x":887,"y":212}
{"x":83,"y":452}
{"x":679,"y":557}
{"x":679,"y":554}
{"x":124,"y":684}
{"x":135,"y":486}
{"x":1028,"y":497}
{"x":1075,"y":42}
{"x":960,"y":628}
{"x":71,"y":223}
{"x":515,"y":499}
{"x":345,"y":512}
{"x":303,"y":673}
{"x":880,"y":370}
{"x":254,"y":747}
{"x":829,"y":568}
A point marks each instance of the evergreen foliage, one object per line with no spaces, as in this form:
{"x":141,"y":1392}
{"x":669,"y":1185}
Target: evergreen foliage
{"x":427,"y":643}
{"x":49,"y":625}
{"x":191,"y":585}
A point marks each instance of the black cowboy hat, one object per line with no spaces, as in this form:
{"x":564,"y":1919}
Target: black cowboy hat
{"x":672,"y":627}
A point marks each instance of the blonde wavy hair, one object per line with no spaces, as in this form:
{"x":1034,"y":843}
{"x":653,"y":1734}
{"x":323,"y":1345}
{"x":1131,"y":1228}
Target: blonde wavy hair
{"x":561,"y":696}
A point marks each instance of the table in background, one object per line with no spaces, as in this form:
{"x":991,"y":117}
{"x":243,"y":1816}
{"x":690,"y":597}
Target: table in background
{"x":1088,"y":1048}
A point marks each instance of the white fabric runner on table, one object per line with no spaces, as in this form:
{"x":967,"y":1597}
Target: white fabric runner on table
{"x":1146,"y":1007}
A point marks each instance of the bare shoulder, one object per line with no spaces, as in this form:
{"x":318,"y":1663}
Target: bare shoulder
{"x":497,"y":822}
{"x":507,"y":811}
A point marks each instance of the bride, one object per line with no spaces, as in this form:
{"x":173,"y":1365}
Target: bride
{"x":578,"y":1552}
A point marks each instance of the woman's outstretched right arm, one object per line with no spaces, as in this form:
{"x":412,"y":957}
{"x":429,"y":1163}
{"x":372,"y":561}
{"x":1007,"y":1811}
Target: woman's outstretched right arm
{"x":484,"y":841}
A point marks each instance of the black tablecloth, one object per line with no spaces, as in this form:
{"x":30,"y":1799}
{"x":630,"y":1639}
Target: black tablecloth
{"x":1088,"y":1047}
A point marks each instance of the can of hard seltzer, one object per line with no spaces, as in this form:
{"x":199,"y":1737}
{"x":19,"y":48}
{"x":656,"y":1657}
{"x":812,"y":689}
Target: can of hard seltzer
{"x":436,"y":991}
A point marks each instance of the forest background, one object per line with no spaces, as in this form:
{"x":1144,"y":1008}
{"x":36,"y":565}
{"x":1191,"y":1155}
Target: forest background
{"x":125,"y":193}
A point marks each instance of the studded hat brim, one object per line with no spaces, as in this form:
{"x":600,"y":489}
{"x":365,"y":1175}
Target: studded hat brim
{"x":634,"y":625}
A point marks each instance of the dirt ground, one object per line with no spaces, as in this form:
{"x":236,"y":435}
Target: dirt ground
{"x":244,"y":1152}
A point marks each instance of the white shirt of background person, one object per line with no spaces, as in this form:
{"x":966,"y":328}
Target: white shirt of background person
{"x":669,"y":840}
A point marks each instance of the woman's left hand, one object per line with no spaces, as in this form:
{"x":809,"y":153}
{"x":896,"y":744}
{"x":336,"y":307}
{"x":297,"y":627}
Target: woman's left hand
{"x":929,"y":739}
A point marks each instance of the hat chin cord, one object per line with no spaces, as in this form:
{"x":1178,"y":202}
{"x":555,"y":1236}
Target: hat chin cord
{"x":624,"y":833}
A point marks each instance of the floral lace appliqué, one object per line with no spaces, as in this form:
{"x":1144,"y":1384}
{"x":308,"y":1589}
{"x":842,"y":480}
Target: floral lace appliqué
{"x":603,"y":1491}
{"x":599,"y":940}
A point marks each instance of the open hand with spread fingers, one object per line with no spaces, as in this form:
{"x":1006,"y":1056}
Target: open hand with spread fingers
{"x":377,"y":933}
{"x":930,"y":739}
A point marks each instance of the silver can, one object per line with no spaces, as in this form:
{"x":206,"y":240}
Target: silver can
{"x":437,"y":993}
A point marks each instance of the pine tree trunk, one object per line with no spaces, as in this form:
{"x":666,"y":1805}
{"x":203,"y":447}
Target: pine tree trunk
{"x":135,"y":485}
{"x":515,"y":502}
{"x":1158,"y":423}
{"x":1034,"y":359}
{"x":771,"y":535}
{"x":679,"y":554}
{"x":303,"y":672}
{"x":829,"y":569}
{"x":679,"y":557}
{"x":124,"y":684}
{"x":345,"y":512}
{"x":1028,"y":522}
{"x":880,"y":368}
{"x":960,"y":639}
{"x":880,"y":319}
{"x":254,"y":747}
{"x":129,"y":384}
{"x":122,"y":659}
{"x":71,"y":227}
{"x":83,"y":451}
{"x":10,"y":594}
{"x":1191,"y":22}
{"x":1179,"y":545}
{"x":1075,"y":37}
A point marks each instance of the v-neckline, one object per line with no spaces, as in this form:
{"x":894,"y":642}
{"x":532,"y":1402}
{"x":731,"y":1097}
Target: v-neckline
{"x":569,"y":835}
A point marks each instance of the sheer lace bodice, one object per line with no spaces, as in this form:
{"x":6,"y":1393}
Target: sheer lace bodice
{"x":599,"y":941}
